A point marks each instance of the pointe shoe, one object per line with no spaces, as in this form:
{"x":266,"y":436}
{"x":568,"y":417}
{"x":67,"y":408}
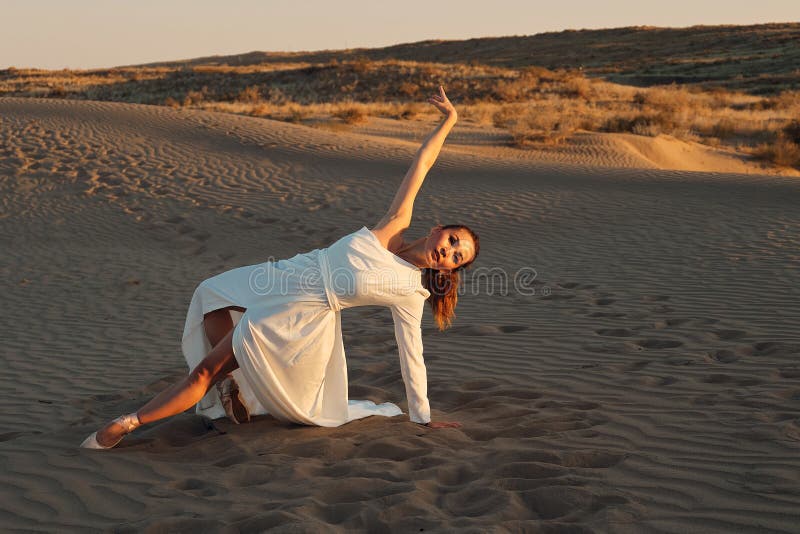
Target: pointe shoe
{"x":232,"y":403}
{"x":129,"y":423}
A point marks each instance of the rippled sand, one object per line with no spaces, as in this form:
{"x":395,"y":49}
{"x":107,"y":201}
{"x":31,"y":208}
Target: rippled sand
{"x":650,"y":382}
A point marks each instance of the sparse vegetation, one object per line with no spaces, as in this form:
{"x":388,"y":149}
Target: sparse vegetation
{"x":351,"y":114}
{"x":784,"y":149}
{"x":535,"y":105}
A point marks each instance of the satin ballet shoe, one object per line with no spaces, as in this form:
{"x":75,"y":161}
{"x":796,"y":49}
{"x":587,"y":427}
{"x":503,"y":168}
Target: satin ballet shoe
{"x":232,"y":403}
{"x":128,"y":422}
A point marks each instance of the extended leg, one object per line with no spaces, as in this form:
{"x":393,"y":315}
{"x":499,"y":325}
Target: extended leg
{"x":182,"y":395}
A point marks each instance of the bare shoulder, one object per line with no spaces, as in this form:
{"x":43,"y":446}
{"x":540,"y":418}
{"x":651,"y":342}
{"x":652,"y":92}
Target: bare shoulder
{"x":390,"y":236}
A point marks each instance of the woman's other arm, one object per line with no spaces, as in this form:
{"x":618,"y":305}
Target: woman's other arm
{"x":398,"y":218}
{"x":408,"y":333}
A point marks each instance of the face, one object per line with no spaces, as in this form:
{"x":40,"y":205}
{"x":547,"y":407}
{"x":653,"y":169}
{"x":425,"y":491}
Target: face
{"x":448,"y":249}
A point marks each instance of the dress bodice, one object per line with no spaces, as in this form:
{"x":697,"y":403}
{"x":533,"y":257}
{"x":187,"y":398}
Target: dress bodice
{"x":361,"y":272}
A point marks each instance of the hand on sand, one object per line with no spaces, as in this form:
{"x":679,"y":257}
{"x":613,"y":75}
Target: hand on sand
{"x":443,"y":104}
{"x":443,"y":424}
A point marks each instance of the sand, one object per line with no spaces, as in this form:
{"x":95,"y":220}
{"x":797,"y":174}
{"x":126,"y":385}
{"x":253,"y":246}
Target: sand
{"x":649,"y":384}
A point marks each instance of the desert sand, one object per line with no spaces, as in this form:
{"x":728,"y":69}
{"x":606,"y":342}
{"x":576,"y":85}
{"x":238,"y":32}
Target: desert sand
{"x":649,"y":384}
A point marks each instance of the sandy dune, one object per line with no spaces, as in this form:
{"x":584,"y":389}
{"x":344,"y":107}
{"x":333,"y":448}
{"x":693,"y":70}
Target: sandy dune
{"x":613,"y":150}
{"x":650,"y":383}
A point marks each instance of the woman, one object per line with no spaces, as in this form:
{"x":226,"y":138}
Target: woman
{"x":286,"y":350}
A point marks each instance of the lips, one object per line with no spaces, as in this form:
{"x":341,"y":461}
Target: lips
{"x":435,"y":255}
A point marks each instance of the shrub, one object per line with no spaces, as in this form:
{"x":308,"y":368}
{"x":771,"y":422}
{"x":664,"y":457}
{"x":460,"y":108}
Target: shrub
{"x":782,"y":151}
{"x":672,"y":98}
{"x":361,"y":65}
{"x":551,"y":126}
{"x":785,"y":100}
{"x":578,"y":87}
{"x":58,"y":91}
{"x":649,"y":124}
{"x":792,"y":131}
{"x":720,"y":97}
{"x":724,"y":128}
{"x":351,"y":114}
{"x":504,"y":116}
{"x":511,"y":90}
{"x":249,"y":95}
{"x":408,"y":89}
{"x":193,"y":98}
{"x":297,"y":113}
{"x":260,"y":110}
{"x":409,"y":111}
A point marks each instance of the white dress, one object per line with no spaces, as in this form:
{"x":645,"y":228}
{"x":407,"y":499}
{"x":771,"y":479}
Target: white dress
{"x":288,"y":342}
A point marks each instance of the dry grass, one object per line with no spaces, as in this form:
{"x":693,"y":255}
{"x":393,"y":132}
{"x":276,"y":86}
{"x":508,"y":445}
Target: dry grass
{"x":784,"y":149}
{"x":535,"y":105}
{"x":351,"y":114}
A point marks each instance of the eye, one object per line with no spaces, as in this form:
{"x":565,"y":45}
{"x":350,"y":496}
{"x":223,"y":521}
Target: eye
{"x":452,"y":240}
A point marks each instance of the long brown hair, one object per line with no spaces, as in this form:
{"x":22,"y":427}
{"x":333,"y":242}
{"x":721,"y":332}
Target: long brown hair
{"x":443,"y":286}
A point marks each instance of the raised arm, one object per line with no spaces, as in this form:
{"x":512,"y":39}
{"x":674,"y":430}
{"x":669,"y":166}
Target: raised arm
{"x":398,"y":218}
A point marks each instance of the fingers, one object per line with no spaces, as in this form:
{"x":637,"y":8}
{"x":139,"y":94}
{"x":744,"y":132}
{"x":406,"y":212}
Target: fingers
{"x":441,"y":97}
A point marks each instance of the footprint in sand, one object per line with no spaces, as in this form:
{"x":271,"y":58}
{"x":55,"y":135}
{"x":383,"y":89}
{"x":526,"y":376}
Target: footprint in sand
{"x":724,"y":356}
{"x":637,"y":366}
{"x":195,"y":486}
{"x":680,"y":361}
{"x":529,"y":470}
{"x":614,"y":332}
{"x":574,"y":405}
{"x":727,"y":335}
{"x":569,"y":285}
{"x":488,"y":330}
{"x":788,"y":394}
{"x":655,"y":298}
{"x":591,"y":459}
{"x":705,"y":400}
{"x":676,"y":321}
{"x":658,"y":381}
{"x":720,"y":378}
{"x":476,"y":501}
{"x":609,"y":315}
{"x":605,"y":301}
{"x":8,"y":436}
{"x":789,"y":373}
{"x":558,"y":296}
{"x":653,"y":343}
{"x":768,"y":348}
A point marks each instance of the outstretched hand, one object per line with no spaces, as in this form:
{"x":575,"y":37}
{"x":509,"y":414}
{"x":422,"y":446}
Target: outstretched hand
{"x":442,"y":103}
{"x":443,"y":424}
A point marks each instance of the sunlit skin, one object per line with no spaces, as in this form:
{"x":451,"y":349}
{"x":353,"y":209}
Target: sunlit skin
{"x":443,"y":250}
{"x":440,"y":249}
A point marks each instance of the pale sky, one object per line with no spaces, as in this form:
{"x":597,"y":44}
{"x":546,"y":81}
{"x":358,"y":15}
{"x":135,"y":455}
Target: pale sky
{"x":105,"y":33}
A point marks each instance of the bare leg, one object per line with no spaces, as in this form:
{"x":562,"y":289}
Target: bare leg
{"x":217,"y":324}
{"x":184,"y":394}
